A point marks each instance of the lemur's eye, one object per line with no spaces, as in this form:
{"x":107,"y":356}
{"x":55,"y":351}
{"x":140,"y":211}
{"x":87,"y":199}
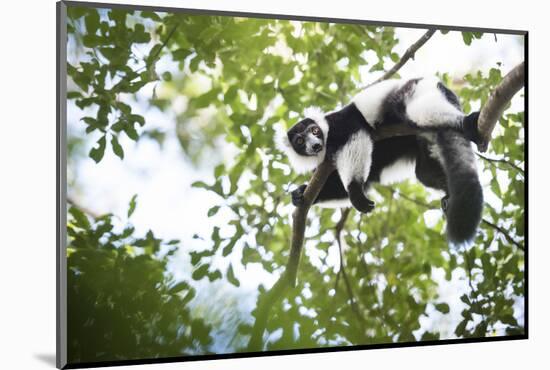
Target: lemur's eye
{"x":299,"y":141}
{"x":315,"y":131}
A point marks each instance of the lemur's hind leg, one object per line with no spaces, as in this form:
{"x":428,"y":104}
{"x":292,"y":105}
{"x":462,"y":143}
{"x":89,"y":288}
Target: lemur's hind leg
{"x":353,"y":163}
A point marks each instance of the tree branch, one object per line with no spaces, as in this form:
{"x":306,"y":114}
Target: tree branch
{"x":288,"y":277}
{"x":483,"y":220}
{"x":497,"y":102}
{"x":409,"y":54}
{"x":503,"y":232}
{"x":300,"y":215}
{"x":488,"y":117}
{"x":337,"y":235}
{"x":501,"y":160}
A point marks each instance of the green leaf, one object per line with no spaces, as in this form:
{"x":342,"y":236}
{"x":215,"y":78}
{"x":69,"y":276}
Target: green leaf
{"x":131,"y":131}
{"x":212,"y":211}
{"x":467,"y":37}
{"x":117,"y":149}
{"x":461,"y":328}
{"x":132,"y":205}
{"x":230,"y":94}
{"x":80,"y":218}
{"x":179,"y":287}
{"x":139,"y":35}
{"x":181,"y":54}
{"x":200,"y":185}
{"x":206,"y":99}
{"x":200,"y":272}
{"x":219,"y":170}
{"x":231,"y":276}
{"x":216,"y":275}
{"x":74,"y":94}
{"x":151,"y":15}
{"x":136,"y":118}
{"x":167,"y":76}
{"x":442,"y":307}
{"x":97,"y":152}
{"x":92,"y":21}
{"x":154,"y":54}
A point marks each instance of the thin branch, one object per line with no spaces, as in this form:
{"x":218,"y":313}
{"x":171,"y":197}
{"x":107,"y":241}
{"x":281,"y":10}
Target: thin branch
{"x":497,"y":102}
{"x":412,"y":200}
{"x":409,"y":54}
{"x":165,"y":42}
{"x":485,"y":221}
{"x":337,"y":235}
{"x":501,"y":160}
{"x":152,"y":58}
{"x":503,"y":232}
{"x":473,"y":291}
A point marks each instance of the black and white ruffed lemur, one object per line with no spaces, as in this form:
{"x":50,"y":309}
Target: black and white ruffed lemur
{"x":441,"y":155}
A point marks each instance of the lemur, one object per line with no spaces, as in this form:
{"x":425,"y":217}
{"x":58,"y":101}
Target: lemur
{"x":441,"y":155}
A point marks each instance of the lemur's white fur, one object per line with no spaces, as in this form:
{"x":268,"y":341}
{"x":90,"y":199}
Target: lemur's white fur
{"x":354,"y":159}
{"x":301,"y":163}
{"x":335,"y":203}
{"x":428,"y":106}
{"x":398,"y":171}
{"x":369,"y":101}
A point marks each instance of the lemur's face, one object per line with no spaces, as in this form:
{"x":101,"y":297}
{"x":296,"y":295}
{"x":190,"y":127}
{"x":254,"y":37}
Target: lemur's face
{"x":306,"y":137}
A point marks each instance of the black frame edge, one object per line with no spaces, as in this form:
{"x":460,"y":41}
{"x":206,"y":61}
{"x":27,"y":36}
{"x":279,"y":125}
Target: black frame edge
{"x":238,"y":355}
{"x":289,"y":17}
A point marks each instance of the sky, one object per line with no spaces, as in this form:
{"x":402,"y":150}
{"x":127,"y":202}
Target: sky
{"x":168,"y":205}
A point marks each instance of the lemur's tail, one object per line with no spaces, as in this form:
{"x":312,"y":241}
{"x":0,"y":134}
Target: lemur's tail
{"x":465,"y":193}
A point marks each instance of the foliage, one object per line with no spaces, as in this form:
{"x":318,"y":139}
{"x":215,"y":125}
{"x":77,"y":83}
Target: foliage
{"x":121,"y":302}
{"x":255,"y":74}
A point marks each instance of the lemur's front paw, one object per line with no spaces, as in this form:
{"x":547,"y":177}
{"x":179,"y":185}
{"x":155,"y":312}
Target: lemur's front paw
{"x":363,"y":205}
{"x":298,"y":195}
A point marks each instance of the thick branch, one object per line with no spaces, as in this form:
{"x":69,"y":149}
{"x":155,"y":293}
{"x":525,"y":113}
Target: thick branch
{"x":408,"y":55}
{"x":393,"y":130}
{"x":300,"y":215}
{"x":288,"y":278}
{"x":497,"y":102}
